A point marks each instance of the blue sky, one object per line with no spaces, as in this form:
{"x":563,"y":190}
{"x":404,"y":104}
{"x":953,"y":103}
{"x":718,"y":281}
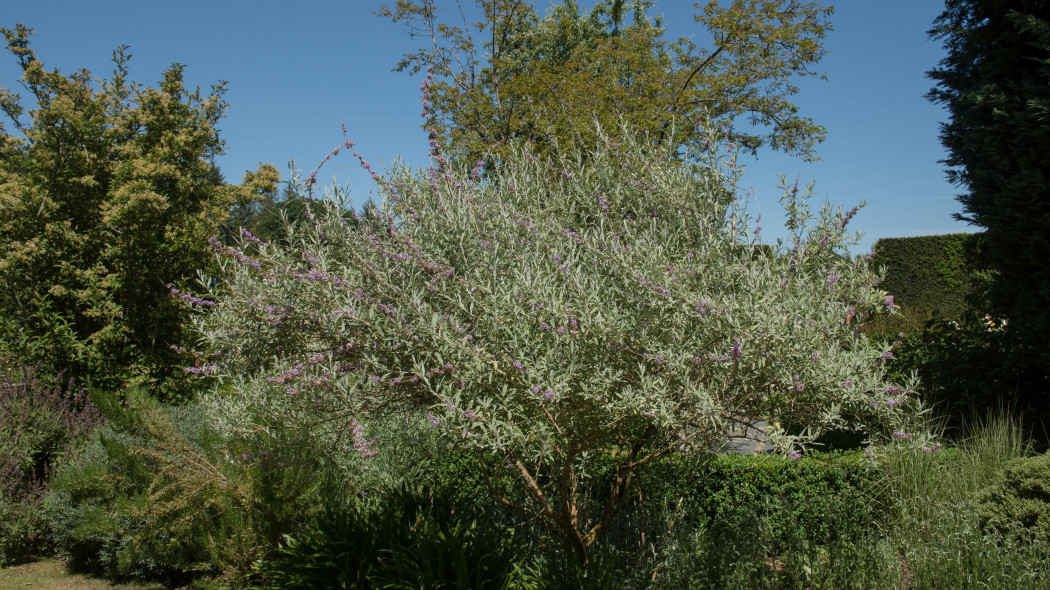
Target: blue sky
{"x":296,"y":72}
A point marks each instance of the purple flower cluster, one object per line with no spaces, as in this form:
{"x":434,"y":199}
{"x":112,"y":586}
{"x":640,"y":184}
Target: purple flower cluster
{"x":247,"y":235}
{"x":848,"y":216}
{"x":234,"y":253}
{"x":191,"y":299}
{"x":602,"y":203}
{"x":448,"y":368}
{"x":736,"y":352}
{"x":361,"y":445}
{"x":659,"y":289}
{"x":799,"y":386}
{"x":572,"y":235}
{"x":546,"y":394}
{"x":312,"y":275}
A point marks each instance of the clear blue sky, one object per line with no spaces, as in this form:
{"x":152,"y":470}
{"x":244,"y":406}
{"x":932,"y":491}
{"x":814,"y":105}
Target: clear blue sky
{"x":296,"y":72}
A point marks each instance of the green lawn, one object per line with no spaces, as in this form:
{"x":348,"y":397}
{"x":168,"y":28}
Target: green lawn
{"x":51,"y":574}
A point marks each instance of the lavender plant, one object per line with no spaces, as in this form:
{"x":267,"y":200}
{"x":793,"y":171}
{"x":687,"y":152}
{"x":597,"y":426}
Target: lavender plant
{"x":40,"y":423}
{"x":610,"y":303}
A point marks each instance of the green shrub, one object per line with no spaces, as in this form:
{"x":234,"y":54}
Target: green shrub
{"x":606,"y":328}
{"x":972,"y":366}
{"x":39,"y":424}
{"x":713,"y":522}
{"x":783,"y":490}
{"x":1020,"y":499}
{"x":159,"y":493}
{"x":411,"y":538}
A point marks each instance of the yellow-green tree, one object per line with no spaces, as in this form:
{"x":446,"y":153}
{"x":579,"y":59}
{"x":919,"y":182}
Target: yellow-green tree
{"x":516,"y":76}
{"x":107,"y":201}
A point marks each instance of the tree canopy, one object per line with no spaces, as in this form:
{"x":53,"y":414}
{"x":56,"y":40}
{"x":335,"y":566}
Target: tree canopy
{"x":514,"y":75}
{"x":995,"y":84}
{"x":107,"y":200}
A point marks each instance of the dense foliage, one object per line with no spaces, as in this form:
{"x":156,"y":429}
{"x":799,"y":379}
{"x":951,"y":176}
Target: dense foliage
{"x":969,"y":361}
{"x":1019,"y":501}
{"x":514,"y":76}
{"x":940,"y":275}
{"x":40,"y":424}
{"x":426,"y":539}
{"x":995,"y":84}
{"x":269,"y":216}
{"x":551,"y":313}
{"x":158,"y":492}
{"x":410,"y":538}
{"x":106,"y":202}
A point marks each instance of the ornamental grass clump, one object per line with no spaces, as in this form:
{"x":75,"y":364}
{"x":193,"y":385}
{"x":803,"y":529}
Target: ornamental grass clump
{"x":550,"y":313}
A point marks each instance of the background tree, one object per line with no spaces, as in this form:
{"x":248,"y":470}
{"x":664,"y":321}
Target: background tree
{"x":516,"y":76}
{"x":107,"y":200}
{"x":995,"y":84}
{"x":266,"y":217}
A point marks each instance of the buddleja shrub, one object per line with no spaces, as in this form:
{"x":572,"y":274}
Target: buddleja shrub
{"x":610,"y":303}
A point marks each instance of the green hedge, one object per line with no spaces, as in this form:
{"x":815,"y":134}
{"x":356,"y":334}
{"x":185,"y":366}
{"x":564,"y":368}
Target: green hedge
{"x":1020,"y":499}
{"x":933,"y":273}
{"x":784,"y":494}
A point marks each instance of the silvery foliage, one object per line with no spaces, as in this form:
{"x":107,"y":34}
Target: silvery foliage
{"x":549,"y":311}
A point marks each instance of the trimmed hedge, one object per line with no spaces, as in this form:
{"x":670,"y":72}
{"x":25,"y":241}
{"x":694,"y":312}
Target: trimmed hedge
{"x":721,"y":489}
{"x":935,"y":274}
{"x":715,"y":522}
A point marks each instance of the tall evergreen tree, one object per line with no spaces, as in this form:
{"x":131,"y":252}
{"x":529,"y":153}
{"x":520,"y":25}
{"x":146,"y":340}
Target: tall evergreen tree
{"x":995,"y":83}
